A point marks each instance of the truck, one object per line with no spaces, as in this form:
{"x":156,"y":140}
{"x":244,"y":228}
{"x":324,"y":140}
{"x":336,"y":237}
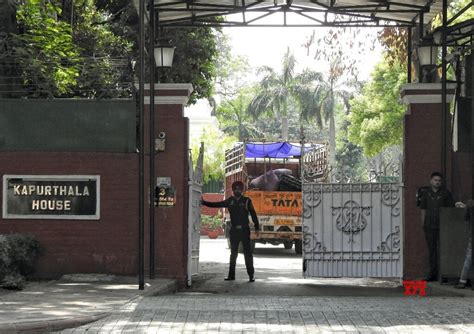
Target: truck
{"x":272,"y":175}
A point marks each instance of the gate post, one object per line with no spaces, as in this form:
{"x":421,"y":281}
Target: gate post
{"x":171,"y":160}
{"x":422,"y":155}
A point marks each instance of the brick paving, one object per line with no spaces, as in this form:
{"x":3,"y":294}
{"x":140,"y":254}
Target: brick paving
{"x":185,"y":313}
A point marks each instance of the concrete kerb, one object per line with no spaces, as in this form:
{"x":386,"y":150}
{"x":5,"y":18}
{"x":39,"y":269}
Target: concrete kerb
{"x":56,"y":324}
{"x":449,"y":289}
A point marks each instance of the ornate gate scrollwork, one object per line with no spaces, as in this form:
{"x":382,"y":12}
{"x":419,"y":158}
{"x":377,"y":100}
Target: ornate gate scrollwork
{"x":311,"y":242}
{"x":311,"y":199}
{"x":392,"y":241}
{"x":351,"y":218}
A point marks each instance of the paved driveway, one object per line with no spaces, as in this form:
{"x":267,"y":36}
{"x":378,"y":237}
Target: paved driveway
{"x":281,"y":301}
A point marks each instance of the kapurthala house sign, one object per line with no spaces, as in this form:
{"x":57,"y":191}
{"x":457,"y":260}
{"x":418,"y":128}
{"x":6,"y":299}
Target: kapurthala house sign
{"x":51,"y":197}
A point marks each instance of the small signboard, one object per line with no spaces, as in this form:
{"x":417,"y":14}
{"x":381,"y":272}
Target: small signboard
{"x":51,"y":197}
{"x":165,"y":196}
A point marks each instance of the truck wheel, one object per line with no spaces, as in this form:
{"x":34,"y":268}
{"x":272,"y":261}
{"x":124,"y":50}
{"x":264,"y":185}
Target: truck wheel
{"x":288,"y":244}
{"x":299,"y":246}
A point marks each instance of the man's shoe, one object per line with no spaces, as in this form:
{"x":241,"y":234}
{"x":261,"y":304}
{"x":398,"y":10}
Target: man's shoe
{"x":229,"y":279}
{"x":251,"y":279}
{"x":460,"y":285}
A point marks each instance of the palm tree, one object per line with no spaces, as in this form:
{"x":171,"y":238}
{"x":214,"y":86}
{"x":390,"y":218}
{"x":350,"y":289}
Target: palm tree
{"x":335,"y":89}
{"x":233,"y":117}
{"x":276,"y":89}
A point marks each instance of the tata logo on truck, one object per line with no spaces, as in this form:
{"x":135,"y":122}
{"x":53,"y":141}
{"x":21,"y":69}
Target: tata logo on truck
{"x":276,"y":202}
{"x":286,"y":203}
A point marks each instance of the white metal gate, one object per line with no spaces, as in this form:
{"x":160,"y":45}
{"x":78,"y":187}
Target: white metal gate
{"x":194,"y":213}
{"x":352,"y":230}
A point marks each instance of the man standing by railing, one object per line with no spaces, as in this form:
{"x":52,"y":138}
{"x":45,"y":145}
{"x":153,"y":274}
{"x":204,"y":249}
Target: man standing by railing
{"x":432,"y":199}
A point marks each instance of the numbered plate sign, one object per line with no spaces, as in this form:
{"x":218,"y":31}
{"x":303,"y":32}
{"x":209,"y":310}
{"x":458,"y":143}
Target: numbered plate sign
{"x":166,"y":196}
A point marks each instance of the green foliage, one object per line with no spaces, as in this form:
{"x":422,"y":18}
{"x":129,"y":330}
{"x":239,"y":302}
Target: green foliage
{"x":348,"y":154}
{"x":277,"y":90}
{"x":17,"y":256}
{"x":211,"y":222}
{"x":394,"y":41}
{"x":105,"y":55}
{"x":234,"y":119}
{"x":86,"y":48}
{"x":215,"y":144}
{"x":341,"y":50}
{"x":454,"y":7}
{"x":232,"y":72}
{"x":376,"y":115}
{"x":194,"y":61}
{"x":45,"y":49}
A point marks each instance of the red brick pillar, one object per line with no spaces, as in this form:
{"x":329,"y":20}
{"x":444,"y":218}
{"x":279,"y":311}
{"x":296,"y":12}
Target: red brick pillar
{"x":170,"y":223}
{"x":422,"y":156}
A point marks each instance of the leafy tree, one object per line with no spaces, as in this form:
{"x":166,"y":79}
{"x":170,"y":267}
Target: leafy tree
{"x":276,"y":90}
{"x":394,"y":39}
{"x":376,"y":115}
{"x":194,"y":59}
{"x":86,"y":48}
{"x":454,"y":6}
{"x":231,"y":71}
{"x":342,"y":74}
{"x":45,"y":50}
{"x":105,"y":69}
{"x":234,"y":119}
{"x":215,"y":145}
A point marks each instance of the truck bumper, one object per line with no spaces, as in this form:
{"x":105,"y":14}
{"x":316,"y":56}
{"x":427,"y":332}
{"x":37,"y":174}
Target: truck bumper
{"x":287,"y":236}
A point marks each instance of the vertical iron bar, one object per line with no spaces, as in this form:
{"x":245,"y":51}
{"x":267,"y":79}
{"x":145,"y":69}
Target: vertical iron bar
{"x":421,"y":26}
{"x":141,"y":158}
{"x":420,"y":37}
{"x":152,"y":138}
{"x":444,"y":109}
{"x":409,"y":52}
{"x":469,"y":67}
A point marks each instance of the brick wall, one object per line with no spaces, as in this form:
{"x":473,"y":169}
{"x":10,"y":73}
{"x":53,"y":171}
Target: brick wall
{"x":212,"y":198}
{"x":108,"y":245}
{"x":171,"y":223}
{"x":422,"y":150}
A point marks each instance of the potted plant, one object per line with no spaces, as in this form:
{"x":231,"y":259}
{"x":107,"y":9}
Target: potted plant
{"x":212,"y":225}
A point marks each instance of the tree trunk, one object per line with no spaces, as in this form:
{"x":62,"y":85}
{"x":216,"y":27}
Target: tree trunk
{"x":332,"y":129}
{"x":332,"y":139}
{"x":284,"y":123}
{"x":284,"y":128}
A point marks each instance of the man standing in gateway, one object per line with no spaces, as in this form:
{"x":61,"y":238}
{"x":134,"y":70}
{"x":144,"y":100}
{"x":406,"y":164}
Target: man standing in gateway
{"x":239,"y":208}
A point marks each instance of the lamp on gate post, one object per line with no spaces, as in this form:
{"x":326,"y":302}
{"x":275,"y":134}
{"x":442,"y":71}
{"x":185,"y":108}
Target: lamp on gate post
{"x":427,"y":55}
{"x":161,"y":57}
{"x":164,"y":53}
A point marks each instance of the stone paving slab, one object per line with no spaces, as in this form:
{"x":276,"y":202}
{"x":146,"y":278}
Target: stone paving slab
{"x":72,"y":301}
{"x":233,"y":314}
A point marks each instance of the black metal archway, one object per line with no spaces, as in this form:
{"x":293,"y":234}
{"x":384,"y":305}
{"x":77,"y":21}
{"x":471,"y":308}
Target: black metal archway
{"x":290,"y":13}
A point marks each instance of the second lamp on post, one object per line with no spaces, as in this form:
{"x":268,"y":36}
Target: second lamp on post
{"x":427,"y":55}
{"x":163,"y":57}
{"x":164,"y":53}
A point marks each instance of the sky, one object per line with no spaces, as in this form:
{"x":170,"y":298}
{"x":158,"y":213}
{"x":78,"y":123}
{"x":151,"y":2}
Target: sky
{"x":266,"y":46}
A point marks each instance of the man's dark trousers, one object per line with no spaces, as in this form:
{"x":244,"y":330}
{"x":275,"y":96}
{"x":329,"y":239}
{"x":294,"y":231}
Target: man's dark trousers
{"x":432,"y":239}
{"x":237,"y":236}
